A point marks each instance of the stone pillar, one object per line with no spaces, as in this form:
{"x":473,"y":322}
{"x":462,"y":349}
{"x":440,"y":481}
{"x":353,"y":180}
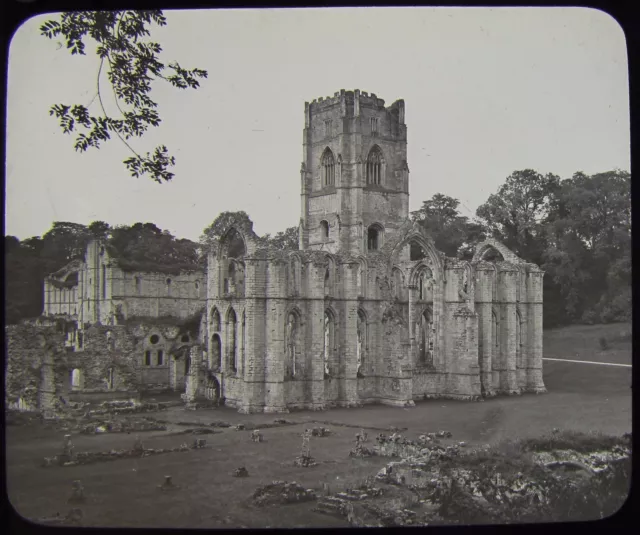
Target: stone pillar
{"x":507,"y":280}
{"x":349,"y":371}
{"x":315,"y":347}
{"x":193,"y":378}
{"x":484,"y":303}
{"x":48,"y":385}
{"x":275,"y":325}
{"x":533,"y":362}
{"x":254,"y":373}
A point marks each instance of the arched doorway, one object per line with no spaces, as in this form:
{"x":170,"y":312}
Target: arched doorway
{"x":212,"y":389}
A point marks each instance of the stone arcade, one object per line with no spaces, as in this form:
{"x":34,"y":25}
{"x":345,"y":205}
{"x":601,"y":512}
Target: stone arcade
{"x":366,"y":311}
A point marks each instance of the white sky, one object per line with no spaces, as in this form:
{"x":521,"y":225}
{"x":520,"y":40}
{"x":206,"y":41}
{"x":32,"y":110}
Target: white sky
{"x":487,"y":92}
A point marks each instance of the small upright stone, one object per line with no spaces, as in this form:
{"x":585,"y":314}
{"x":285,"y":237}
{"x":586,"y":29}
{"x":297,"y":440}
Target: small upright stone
{"x":77,"y":492}
{"x":168,"y":484}
{"x":241,"y":472}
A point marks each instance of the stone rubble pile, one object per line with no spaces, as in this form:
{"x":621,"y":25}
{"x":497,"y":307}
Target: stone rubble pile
{"x":241,"y":472}
{"x":68,"y":458}
{"x":127,"y":426}
{"x":281,"y":492}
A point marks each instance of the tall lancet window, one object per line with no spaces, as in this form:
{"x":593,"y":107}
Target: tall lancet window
{"x":232,"y":331}
{"x":328,"y":341}
{"x":362,"y":341}
{"x":291,"y":341}
{"x":328,"y":168}
{"x":374,"y":166}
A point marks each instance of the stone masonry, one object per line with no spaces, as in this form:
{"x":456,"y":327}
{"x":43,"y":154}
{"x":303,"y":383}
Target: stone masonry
{"x":366,"y":311}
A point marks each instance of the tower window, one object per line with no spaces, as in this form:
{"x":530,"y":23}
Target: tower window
{"x":374,"y":166}
{"x":374,"y":126}
{"x":147,"y":358}
{"x":160,"y":357}
{"x":328,"y":168}
{"x":374,"y":238}
{"x":324,"y":226}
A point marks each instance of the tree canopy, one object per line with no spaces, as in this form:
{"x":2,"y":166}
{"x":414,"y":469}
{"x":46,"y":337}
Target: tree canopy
{"x":578,"y":230}
{"x":131,"y":65}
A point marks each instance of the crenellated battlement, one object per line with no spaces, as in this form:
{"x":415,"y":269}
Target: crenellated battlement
{"x":348,"y":99}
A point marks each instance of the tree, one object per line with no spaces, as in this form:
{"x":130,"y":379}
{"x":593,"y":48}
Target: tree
{"x":588,"y":253}
{"x":145,"y":247}
{"x":286,"y":240}
{"x":517,"y":213}
{"x":131,"y":66}
{"x":451,"y":232}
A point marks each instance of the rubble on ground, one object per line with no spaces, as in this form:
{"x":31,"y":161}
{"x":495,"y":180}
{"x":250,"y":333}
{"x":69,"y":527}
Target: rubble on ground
{"x":241,"y":472}
{"x":138,"y":450}
{"x":281,"y":492}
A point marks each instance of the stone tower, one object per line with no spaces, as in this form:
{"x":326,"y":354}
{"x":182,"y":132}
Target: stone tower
{"x":354,"y":175}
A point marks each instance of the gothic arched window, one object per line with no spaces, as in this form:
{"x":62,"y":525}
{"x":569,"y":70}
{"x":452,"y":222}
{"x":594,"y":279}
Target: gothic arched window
{"x":215,"y":320}
{"x":329,"y":340}
{"x":374,"y":166}
{"x":328,"y":168}
{"x":362,"y":340}
{"x":232,"y":340}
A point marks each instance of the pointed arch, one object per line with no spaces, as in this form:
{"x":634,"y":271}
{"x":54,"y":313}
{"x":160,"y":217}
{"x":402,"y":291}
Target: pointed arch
{"x":375,"y":166}
{"x":329,"y":345}
{"x":362,"y":341}
{"x":293,"y":343}
{"x":215,"y":351}
{"x":232,"y":244}
{"x":215,"y":320}
{"x":328,"y":165}
{"x":232,"y":340}
{"x":432,"y":257}
{"x":425,"y":337}
{"x":491,"y":246}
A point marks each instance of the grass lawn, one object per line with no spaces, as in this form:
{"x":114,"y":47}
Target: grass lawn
{"x":124,"y":493}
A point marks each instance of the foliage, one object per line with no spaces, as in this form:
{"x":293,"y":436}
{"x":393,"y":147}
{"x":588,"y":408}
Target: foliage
{"x":579,"y":231}
{"x":453,"y":234}
{"x":145,"y":247}
{"x":517,"y":213}
{"x":284,"y":240}
{"x":139,"y":247}
{"x":131,"y":65}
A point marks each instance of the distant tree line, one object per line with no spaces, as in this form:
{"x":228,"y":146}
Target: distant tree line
{"x":577,"y":230}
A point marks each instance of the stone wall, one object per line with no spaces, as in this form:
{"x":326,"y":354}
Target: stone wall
{"x":114,"y":362}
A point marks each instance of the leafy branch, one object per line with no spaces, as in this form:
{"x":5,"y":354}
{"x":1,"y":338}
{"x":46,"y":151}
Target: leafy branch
{"x":131,"y":66}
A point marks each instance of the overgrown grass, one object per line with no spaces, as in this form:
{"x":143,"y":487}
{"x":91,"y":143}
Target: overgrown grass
{"x":611,"y":342}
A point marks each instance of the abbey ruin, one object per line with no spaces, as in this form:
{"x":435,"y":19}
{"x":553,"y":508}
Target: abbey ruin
{"x":367,"y":310}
